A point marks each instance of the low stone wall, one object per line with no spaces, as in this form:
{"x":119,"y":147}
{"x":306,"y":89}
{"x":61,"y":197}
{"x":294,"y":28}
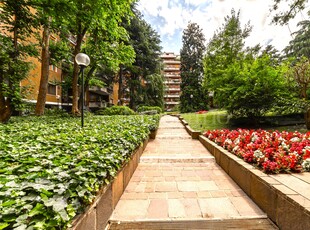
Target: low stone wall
{"x":194,"y":134}
{"x":97,"y":215}
{"x":269,"y":194}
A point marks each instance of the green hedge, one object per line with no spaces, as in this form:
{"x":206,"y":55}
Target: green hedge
{"x":51,"y":168}
{"x":116,"y":110}
{"x":150,"y":109}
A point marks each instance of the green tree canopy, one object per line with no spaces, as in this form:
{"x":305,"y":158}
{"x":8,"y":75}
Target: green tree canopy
{"x":246,"y":81}
{"x":283,"y":17}
{"x":193,"y":48}
{"x":226,"y":46}
{"x":146,"y":44}
{"x":17,"y":23}
{"x":300,"y":45}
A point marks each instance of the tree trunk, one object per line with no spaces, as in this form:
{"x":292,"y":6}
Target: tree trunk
{"x":6,"y":108}
{"x":120,"y":87}
{"x":5,"y":111}
{"x":5,"y":105}
{"x":75,"y":88}
{"x":41,"y":100}
{"x":307,"y":118}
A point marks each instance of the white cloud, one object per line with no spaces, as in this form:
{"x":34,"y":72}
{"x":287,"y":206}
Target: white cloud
{"x":210,"y":17}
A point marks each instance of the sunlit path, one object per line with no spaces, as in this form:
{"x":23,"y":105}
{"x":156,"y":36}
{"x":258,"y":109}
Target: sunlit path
{"x":178,"y":185}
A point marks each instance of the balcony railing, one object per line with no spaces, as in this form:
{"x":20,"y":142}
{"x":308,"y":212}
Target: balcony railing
{"x":172,"y":102}
{"x":172,"y":82}
{"x":172,"y":89}
{"x":97,"y":104}
{"x":171,"y":96}
{"x":99,"y":90}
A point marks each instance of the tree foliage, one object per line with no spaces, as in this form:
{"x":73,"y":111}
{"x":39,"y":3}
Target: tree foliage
{"x":51,"y":16}
{"x":253,"y":87}
{"x":300,"y":45}
{"x":86,"y":18}
{"x":283,"y":17}
{"x":146,"y":44}
{"x":154,"y":95}
{"x":16,"y":25}
{"x":192,"y":98}
{"x":246,"y":81}
{"x":225,"y":49}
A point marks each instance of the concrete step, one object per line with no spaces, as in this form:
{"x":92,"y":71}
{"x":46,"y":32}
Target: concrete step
{"x":176,"y":159}
{"x":158,"y":136}
{"x":245,"y":224}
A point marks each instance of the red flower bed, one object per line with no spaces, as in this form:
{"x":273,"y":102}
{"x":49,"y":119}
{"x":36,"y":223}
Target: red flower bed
{"x":201,"y":112}
{"x":272,"y":151}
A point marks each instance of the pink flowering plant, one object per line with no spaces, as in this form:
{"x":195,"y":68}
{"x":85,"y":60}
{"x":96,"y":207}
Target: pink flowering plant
{"x":272,"y":151}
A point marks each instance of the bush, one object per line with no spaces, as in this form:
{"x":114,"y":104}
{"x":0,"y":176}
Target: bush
{"x":52,"y":169}
{"x":149,"y":110}
{"x":56,"y":112}
{"x":116,"y":110}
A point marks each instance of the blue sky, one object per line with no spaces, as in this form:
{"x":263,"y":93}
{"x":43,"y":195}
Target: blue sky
{"x":170,"y":17}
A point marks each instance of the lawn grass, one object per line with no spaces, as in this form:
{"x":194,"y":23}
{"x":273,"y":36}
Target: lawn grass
{"x":214,"y":119}
{"x":219,"y":119}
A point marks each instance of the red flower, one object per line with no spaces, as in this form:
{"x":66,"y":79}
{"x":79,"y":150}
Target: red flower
{"x":273,"y":151}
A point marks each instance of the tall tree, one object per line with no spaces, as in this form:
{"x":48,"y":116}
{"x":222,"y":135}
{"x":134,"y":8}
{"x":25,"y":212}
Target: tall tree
{"x":16,"y":26}
{"x":224,"y":49}
{"x":88,"y":15}
{"x":192,"y":97}
{"x":51,"y":17}
{"x":146,"y":44}
{"x":108,"y":54}
{"x":154,"y":95}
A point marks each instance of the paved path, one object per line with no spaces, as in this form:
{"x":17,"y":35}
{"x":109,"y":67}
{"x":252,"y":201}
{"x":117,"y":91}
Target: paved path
{"x":177,"y":181}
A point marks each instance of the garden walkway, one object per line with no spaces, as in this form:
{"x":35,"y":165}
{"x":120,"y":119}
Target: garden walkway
{"x":178,"y":185}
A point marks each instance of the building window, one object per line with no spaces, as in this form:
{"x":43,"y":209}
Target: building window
{"x":51,"y":89}
{"x":53,"y":68}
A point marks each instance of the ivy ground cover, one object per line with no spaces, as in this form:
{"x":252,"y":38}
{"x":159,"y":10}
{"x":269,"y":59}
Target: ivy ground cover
{"x":51,"y":168}
{"x":272,"y":151}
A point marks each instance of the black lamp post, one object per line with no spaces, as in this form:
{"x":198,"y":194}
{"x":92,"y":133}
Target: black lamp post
{"x":191,"y":96}
{"x":82,"y":60}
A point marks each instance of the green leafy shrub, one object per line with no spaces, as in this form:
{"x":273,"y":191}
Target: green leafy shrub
{"x":56,"y":112}
{"x":116,"y":110}
{"x":51,"y":168}
{"x":149,"y":109}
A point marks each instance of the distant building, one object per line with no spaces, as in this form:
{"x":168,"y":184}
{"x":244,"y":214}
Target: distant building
{"x":172,"y":80}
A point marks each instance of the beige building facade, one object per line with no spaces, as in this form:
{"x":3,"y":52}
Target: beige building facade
{"x":172,"y":80}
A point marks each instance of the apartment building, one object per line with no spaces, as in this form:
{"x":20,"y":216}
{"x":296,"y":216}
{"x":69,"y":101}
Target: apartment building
{"x":32,"y":84}
{"x":172,"y":80}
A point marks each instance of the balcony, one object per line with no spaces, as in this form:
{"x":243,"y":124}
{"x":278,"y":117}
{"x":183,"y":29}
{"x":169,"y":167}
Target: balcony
{"x":172,"y":96}
{"x":171,"y":69}
{"x":97,"y":104}
{"x":99,"y":90}
{"x":172,"y":89}
{"x":172,"y":82}
{"x":172,"y":102}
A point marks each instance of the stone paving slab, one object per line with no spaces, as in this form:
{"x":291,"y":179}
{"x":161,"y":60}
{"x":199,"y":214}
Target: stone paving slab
{"x":170,"y":183}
